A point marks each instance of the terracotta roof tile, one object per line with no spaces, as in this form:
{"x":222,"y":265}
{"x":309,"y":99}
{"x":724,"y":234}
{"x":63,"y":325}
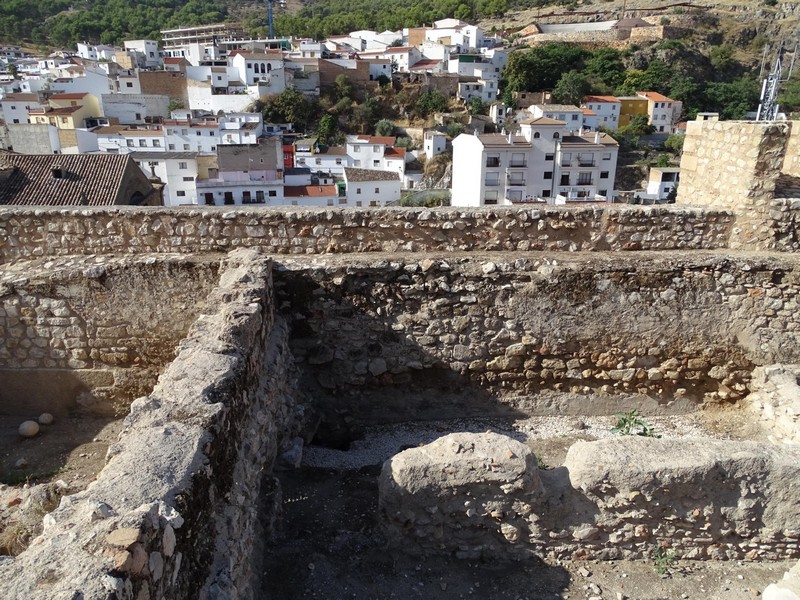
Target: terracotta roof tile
{"x":84,"y":180}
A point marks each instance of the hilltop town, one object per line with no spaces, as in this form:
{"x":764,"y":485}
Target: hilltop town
{"x":447,"y":113}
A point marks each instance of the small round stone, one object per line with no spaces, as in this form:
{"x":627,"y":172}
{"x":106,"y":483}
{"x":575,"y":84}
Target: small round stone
{"x":28,"y":429}
{"x":45,"y":419}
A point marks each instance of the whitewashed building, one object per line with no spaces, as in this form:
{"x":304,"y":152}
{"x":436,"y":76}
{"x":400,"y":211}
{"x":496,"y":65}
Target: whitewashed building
{"x":371,"y":188}
{"x":177,"y":171}
{"x":606,"y":111}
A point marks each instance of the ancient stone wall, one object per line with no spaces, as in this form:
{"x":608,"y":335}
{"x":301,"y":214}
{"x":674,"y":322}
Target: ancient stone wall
{"x":174,"y":512}
{"x":775,"y":400}
{"x":481,"y":496}
{"x":736,"y":165}
{"x":94,"y":332}
{"x":582,"y":334}
{"x":31,"y":233}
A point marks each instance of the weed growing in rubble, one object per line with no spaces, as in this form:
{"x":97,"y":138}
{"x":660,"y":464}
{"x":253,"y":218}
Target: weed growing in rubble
{"x":664,"y":559}
{"x":630,"y":423}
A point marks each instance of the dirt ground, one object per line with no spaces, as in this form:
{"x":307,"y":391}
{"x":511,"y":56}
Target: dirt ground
{"x":72,"y":448}
{"x":330,"y":545}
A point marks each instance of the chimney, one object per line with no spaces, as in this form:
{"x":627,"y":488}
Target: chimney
{"x":596,"y":137}
{"x":56,"y":172}
{"x":509,"y":138}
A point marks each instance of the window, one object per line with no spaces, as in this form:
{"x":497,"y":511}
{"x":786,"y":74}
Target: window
{"x":180,"y":193}
{"x":63,"y":119}
{"x":186,"y":146}
{"x":377,"y":190}
{"x":545,"y":193}
{"x":171,"y":146}
{"x":272,"y":193}
{"x":607,"y":156}
{"x":584,"y":179}
{"x":129,"y":84}
{"x":246,"y":197}
{"x":16,"y":120}
{"x":549,"y":157}
{"x":182,"y":165}
{"x":356,"y":163}
{"x":603,"y":174}
{"x":342,"y":200}
{"x":199,"y":133}
{"x":574,"y":117}
{"x":492,"y":161}
{"x":564,"y":179}
{"x":603,"y":192}
{"x":548,"y":175}
{"x":129,"y":143}
{"x":228,"y":197}
{"x":259,"y":195}
{"x":184,"y":132}
{"x":492,"y":179}
{"x":143,"y":143}
{"x":356,"y":148}
{"x":318,"y":161}
{"x":330,"y":201}
{"x":358,"y":203}
{"x":536,"y":135}
{"x":156,"y":143}
{"x":213,"y":148}
{"x":358,"y":190}
{"x":338,"y":161}
{"x":188,"y":178}
{"x":556,"y":136}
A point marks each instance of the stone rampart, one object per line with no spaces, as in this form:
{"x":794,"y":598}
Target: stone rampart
{"x":174,"y":514}
{"x":33,"y":233}
{"x":737,"y":165}
{"x":537,"y":333}
{"x":68,"y":329}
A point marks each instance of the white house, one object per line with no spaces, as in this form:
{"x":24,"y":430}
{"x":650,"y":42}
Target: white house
{"x":543,"y":164}
{"x":128,"y":109}
{"x":15,"y":107}
{"x":434,"y":143}
{"x":371,"y":188}
{"x":569,"y":114}
{"x":177,"y":171}
{"x":148,"y":50}
{"x":662,"y":181}
{"x":256,"y":67}
{"x":374,"y":152}
{"x":246,"y":174}
{"x":96,"y":52}
{"x":402,"y":58}
{"x":664,"y":113}
{"x":606,"y":111}
{"x":123,"y":139}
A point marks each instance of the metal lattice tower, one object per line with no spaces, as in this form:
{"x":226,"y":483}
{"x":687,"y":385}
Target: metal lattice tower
{"x":768,"y":106}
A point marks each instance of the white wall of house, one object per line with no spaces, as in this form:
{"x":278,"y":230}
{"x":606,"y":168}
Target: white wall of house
{"x":662,"y":181}
{"x":92,"y":81}
{"x":178,"y":175}
{"x":149,"y":49}
{"x":468,"y":171}
{"x":372,"y":193}
{"x":15,"y":111}
{"x":607,"y":113}
{"x":434,"y":143}
{"x":130,"y":108}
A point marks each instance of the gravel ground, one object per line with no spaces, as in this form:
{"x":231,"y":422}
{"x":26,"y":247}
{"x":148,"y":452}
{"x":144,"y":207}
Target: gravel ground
{"x":382,"y":442}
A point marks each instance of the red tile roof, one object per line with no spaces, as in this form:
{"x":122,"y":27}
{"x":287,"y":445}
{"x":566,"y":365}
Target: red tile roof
{"x":655,"y":96}
{"x":399,"y":49}
{"x":83,"y":180}
{"x":425,"y":64}
{"x":304,"y":191}
{"x":76,"y":96}
{"x":388,"y":141}
{"x":600,"y":99}
{"x":392,"y":152}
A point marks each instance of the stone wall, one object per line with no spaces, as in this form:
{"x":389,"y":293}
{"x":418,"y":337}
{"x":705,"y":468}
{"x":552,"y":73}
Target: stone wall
{"x":451,"y":335}
{"x":94,"y":332}
{"x":173,"y":514}
{"x":735,"y":165}
{"x":31,"y":233}
{"x":481,"y":496}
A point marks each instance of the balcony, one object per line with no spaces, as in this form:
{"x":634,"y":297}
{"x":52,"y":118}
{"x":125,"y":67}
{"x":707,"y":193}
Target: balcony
{"x":491,"y":182}
{"x":586,"y":163}
{"x":583,"y":182}
{"x":518,"y":164}
{"x":492,"y":162}
{"x":516,"y":182}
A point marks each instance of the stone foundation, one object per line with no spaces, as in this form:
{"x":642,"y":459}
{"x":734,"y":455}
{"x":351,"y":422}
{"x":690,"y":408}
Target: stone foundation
{"x":481,"y":496}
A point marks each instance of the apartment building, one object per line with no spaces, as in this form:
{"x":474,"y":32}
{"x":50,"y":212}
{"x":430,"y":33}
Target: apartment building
{"x":606,"y":109}
{"x":544,"y":164}
{"x":663,"y":113}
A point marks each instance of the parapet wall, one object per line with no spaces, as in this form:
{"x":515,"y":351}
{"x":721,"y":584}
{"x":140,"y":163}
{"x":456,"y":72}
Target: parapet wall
{"x":32,"y":233}
{"x":537,"y":333}
{"x":737,"y":165}
{"x":175,"y":512}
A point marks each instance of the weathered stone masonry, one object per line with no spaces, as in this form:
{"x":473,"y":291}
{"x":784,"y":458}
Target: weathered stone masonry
{"x":173,"y":514}
{"x":573,"y":334}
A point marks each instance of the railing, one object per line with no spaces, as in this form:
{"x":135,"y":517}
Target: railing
{"x":492,"y":162}
{"x":586,"y":163}
{"x":491,"y":182}
{"x":516,"y":164}
{"x":585,"y":182}
{"x":516,"y":182}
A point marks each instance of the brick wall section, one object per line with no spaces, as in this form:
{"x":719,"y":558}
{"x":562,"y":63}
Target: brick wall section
{"x":735,"y":165}
{"x":30,"y":233}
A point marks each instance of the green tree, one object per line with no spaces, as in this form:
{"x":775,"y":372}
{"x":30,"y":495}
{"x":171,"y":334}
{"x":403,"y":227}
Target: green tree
{"x":541,"y":67}
{"x":606,"y":65}
{"x":571,"y":88}
{"x":721,"y":57}
{"x":290,"y":106}
{"x":455,"y":129}
{"x":732,"y":100}
{"x":789,"y":98}
{"x":343,"y":87}
{"x":475,"y":106}
{"x":674,"y":143}
{"x":328,"y":130}
{"x":384,"y":128}
{"x":430,"y":102}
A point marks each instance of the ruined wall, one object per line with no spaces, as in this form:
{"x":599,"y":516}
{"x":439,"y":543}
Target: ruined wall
{"x":174,"y":512}
{"x":28,"y":233}
{"x":736,"y":165}
{"x":94,"y":333}
{"x":391,"y":337}
{"x":481,"y":496}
